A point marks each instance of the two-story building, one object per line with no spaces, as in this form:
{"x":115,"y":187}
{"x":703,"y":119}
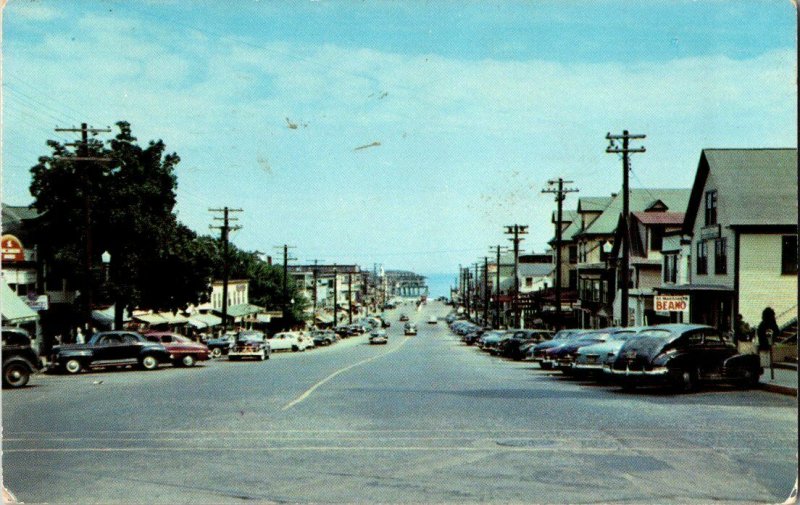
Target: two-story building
{"x":738,"y":250}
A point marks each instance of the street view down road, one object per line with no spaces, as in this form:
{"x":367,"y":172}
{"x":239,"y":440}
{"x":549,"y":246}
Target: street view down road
{"x":421,"y":419}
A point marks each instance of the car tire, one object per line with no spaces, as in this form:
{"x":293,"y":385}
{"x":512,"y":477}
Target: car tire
{"x":295,"y":348}
{"x":263,"y":355}
{"x":216,"y":352}
{"x":687,"y":380}
{"x":73,"y":366}
{"x":148,"y":362}
{"x":188,"y":360}
{"x":15,"y":375}
{"x":750,"y":378}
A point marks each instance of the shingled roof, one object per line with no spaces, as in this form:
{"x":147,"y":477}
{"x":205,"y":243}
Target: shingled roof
{"x":639,"y":200}
{"x":759,"y":186}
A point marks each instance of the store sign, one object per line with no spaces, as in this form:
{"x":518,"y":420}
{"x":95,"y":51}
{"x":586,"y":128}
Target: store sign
{"x":37,"y":303}
{"x":11,"y":250}
{"x":671,"y":303}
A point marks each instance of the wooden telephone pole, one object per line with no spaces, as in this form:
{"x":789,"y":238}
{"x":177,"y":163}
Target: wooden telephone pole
{"x":560,"y":193}
{"x":516,"y":230}
{"x":225,"y":229}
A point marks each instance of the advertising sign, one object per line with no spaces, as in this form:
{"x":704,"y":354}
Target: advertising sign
{"x":11,"y":249}
{"x":671,"y":303}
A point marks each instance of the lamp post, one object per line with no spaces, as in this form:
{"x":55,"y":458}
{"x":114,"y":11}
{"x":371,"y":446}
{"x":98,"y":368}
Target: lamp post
{"x":106,"y":258}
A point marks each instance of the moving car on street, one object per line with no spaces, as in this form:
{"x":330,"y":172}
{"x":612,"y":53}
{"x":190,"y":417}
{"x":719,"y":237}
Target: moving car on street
{"x":183,"y":351}
{"x":409,"y":329}
{"x":219,"y":346}
{"x":290,"y":341}
{"x":19,"y":359}
{"x":249,"y":344}
{"x":324,"y":337}
{"x":433,"y":320}
{"x":378,"y":337}
{"x":403,"y":317}
{"x":683,"y":356}
{"x":109,"y":349}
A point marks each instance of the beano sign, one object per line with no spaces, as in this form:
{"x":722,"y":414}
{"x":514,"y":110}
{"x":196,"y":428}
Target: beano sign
{"x":671,"y":303}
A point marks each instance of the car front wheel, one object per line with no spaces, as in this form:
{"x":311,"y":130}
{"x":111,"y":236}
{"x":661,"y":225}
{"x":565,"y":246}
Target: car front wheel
{"x":15,"y":375}
{"x":188,"y":360}
{"x":687,"y":380}
{"x":149,"y":362}
{"x":216,"y":352}
{"x":73,"y":366}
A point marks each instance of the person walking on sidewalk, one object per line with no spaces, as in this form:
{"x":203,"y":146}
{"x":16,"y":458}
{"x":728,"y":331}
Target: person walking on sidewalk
{"x":767,"y":330}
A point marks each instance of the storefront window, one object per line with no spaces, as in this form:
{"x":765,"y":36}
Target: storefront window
{"x":789,"y":255}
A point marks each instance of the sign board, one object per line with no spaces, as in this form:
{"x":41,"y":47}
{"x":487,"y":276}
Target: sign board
{"x":709,"y":232}
{"x":11,"y":249}
{"x":37,"y":303}
{"x":671,"y":303}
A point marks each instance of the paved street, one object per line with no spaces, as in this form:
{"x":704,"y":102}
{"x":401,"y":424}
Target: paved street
{"x":422,"y":419}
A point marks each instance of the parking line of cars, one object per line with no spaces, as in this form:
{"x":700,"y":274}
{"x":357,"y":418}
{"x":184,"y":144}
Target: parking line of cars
{"x":147,"y":351}
{"x":680,"y":356}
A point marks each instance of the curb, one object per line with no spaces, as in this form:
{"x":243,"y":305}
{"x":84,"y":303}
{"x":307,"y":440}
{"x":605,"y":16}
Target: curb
{"x":777,"y":388}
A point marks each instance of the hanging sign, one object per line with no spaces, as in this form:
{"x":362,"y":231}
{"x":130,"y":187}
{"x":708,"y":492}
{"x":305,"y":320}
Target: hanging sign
{"x":11,"y":249}
{"x":671,"y":303}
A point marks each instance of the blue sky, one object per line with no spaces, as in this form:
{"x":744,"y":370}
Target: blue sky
{"x":474,"y":105}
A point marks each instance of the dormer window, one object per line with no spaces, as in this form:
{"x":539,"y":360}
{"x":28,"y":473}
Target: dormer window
{"x":711,"y":207}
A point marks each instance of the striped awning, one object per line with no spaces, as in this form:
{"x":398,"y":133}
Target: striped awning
{"x":204,"y":320}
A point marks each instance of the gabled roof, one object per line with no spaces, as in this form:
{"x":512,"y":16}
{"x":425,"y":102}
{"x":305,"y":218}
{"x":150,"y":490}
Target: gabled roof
{"x":668,"y":218}
{"x":13,"y":217}
{"x":535,"y":269}
{"x":567,"y":216}
{"x":757,"y":186}
{"x":593,"y":203}
{"x":639,"y":200}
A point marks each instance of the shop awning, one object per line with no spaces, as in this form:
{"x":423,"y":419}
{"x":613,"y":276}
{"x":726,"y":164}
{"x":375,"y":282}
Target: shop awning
{"x":14,"y":309}
{"x":173,"y":318}
{"x":151,"y":319}
{"x":263,"y":318}
{"x":204,"y":320}
{"x":323,"y":318}
{"x":693,"y":288}
{"x":242,"y":309}
{"x":106,"y":316}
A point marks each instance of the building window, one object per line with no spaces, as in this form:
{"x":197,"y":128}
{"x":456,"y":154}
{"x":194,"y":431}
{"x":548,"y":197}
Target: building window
{"x":656,"y":238}
{"x":789,"y":255}
{"x":528,"y":282}
{"x":670,"y":268}
{"x":711,"y":207}
{"x":702,"y":258}
{"x":573,"y":254}
{"x":573,"y":279}
{"x":721,"y":256}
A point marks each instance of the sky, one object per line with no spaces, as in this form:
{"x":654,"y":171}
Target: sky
{"x":463,"y":111}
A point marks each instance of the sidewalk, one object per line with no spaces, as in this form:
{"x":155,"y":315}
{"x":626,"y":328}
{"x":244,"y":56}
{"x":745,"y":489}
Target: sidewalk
{"x":785,"y":380}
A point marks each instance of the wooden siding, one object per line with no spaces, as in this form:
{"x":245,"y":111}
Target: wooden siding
{"x":761,"y":283}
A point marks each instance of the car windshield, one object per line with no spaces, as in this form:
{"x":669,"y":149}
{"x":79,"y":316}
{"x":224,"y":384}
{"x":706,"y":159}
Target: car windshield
{"x":622,"y":335}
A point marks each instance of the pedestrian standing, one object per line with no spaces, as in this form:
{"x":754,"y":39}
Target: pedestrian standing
{"x":767,"y":330}
{"x":79,"y":338}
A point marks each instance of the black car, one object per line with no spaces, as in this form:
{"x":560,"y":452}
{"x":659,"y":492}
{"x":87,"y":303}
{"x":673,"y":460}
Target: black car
{"x":512,"y":346}
{"x":249,"y":344}
{"x":683,"y":356}
{"x":220,"y":345}
{"x":324,"y":337}
{"x":110,"y":349}
{"x":19,"y":359}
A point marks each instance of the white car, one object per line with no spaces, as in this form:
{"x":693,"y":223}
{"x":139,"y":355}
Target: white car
{"x":433,"y":320}
{"x":378,"y":337}
{"x":290,"y":341}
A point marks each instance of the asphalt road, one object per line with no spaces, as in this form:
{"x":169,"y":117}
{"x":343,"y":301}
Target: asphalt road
{"x":422,"y":419}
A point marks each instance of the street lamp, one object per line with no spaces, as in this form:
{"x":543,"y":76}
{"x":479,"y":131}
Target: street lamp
{"x":106,"y":257}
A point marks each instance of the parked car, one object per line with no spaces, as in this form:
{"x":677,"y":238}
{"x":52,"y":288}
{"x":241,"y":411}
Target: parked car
{"x":324,"y":337}
{"x":250,"y":344}
{"x":490,"y":341}
{"x":513,"y":346}
{"x":290,"y":341}
{"x":591,"y":359}
{"x":683,"y":356}
{"x":432,"y":320}
{"x":219,"y":346}
{"x":378,"y":337}
{"x":109,"y":348}
{"x":409,"y":329}
{"x":536,"y":353}
{"x":182,"y":350}
{"x":19,"y":359}
{"x":563,"y":356}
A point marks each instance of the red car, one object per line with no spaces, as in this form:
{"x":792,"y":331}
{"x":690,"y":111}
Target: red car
{"x":182,"y":351}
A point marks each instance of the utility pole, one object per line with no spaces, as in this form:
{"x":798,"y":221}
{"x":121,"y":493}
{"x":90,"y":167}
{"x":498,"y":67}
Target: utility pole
{"x":349,"y":298}
{"x":625,"y":150}
{"x":286,"y":259}
{"x":314,"y":289}
{"x":485,"y":290}
{"x":224,"y":230}
{"x":83,"y":156}
{"x":496,"y":322}
{"x":516,"y":230}
{"x":335,"y":299}
{"x":560,"y":193}
{"x":476,"y":291}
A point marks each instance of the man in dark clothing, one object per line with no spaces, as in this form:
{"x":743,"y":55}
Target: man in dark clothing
{"x":767,"y":329}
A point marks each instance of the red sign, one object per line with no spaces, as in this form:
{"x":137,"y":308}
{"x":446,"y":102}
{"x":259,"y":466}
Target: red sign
{"x":11,"y":249}
{"x":664,"y":303}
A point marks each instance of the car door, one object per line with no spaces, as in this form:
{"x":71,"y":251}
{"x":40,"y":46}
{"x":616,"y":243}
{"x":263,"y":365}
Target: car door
{"x":715,"y":352}
{"x":105,"y":347}
{"x":129,"y":347}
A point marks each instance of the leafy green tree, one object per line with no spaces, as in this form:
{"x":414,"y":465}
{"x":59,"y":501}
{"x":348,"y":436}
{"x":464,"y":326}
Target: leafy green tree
{"x":155,"y":261}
